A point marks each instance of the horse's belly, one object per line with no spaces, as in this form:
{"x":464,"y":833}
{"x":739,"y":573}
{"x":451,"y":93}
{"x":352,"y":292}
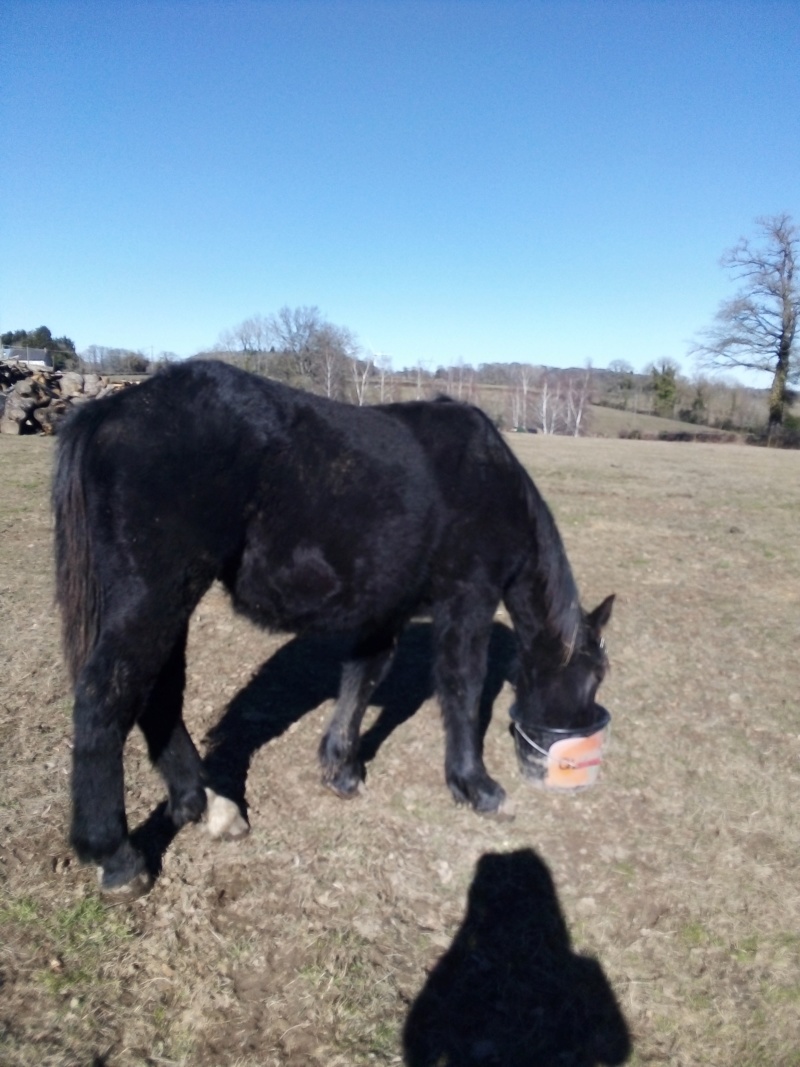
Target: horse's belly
{"x":314,"y":590}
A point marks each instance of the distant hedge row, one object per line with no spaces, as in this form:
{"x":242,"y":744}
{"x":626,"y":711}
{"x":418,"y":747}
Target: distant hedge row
{"x":786,"y":438}
{"x":709,"y":437}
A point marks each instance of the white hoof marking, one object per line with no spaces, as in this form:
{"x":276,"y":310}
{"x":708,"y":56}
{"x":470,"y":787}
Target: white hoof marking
{"x":223,"y":818}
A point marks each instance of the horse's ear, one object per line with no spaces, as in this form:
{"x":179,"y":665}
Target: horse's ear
{"x":598,"y":619}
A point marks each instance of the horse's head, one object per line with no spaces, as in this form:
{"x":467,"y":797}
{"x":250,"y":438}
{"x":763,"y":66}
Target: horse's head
{"x":558,"y":686}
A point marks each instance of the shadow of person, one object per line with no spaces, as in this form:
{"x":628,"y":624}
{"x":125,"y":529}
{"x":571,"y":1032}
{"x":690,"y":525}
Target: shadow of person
{"x":509,"y":992}
{"x":305,"y":672}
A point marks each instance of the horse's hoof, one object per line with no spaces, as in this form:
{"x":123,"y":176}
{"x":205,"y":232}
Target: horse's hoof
{"x":224,"y":821}
{"x":124,"y":892}
{"x":345,"y":785}
{"x":484,"y":796}
{"x":505,"y":811}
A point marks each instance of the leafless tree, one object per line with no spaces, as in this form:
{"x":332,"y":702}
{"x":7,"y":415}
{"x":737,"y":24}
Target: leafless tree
{"x":361,"y":370}
{"x":756,"y":329}
{"x":251,"y":338}
{"x":295,"y":345}
{"x":522,"y":378}
{"x":623,"y":383}
{"x":383,"y":365}
{"x":471,"y":392}
{"x":99,"y":359}
{"x":525,"y":380}
{"x":331,"y":359}
{"x":550,"y":405}
{"x":162,"y":360}
{"x":462,"y":376}
{"x":422,"y":376}
{"x":577,"y":399}
{"x":516,"y":410}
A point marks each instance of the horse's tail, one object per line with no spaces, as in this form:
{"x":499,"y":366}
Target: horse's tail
{"x":77,"y":586}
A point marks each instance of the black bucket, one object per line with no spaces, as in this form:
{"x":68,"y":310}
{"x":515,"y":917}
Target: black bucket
{"x":563,"y":760}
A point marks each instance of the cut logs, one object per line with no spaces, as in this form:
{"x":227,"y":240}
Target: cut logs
{"x":35,"y":400}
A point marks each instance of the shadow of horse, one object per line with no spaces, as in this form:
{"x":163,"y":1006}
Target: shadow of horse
{"x":304,"y":673}
{"x":510,"y":992}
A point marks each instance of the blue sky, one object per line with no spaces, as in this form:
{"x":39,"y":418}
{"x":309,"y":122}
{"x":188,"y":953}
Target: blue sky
{"x":545,"y":182}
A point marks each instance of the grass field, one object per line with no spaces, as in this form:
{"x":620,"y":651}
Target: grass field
{"x":611,"y":422}
{"x":652,"y":920}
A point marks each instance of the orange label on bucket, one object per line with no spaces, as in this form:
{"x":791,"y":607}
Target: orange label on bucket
{"x":574,"y":762}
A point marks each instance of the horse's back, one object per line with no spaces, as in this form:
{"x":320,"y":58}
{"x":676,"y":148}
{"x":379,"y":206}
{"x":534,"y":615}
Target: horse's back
{"x":316,"y":514}
{"x":312,"y":512}
{"x":483,"y":487}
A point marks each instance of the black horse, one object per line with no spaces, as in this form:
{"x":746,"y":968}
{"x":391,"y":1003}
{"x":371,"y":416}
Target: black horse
{"x":317,"y":517}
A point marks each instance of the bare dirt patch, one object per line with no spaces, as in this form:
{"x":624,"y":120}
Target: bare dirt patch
{"x":659,"y":910}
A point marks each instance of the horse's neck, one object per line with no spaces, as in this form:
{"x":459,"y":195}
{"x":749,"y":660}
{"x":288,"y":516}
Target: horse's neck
{"x":544,"y":607}
{"x":543,"y":600}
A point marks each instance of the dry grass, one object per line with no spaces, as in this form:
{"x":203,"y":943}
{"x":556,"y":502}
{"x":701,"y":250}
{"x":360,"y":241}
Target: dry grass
{"x":312,"y":941}
{"x":611,"y":422}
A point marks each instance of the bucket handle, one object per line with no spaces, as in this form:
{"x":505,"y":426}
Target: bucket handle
{"x":518,"y":728}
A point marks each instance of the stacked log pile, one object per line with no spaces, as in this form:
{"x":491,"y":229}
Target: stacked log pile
{"x":35,"y":400}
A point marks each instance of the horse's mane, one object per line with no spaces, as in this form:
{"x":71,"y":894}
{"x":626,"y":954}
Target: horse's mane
{"x":548,"y":566}
{"x":562,"y":610}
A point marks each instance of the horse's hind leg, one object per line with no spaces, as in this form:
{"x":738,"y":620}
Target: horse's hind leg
{"x":170,"y":747}
{"x":107,"y":695}
{"x":338,"y":752}
{"x":461,"y":635}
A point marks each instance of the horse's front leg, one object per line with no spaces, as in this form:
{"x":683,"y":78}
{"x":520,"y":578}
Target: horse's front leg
{"x":462,"y":627}
{"x":342,"y":771}
{"x":169,"y":745}
{"x":174,"y":755}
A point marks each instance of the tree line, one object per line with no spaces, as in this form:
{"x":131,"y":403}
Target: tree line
{"x":754,"y":330}
{"x":60,"y":350}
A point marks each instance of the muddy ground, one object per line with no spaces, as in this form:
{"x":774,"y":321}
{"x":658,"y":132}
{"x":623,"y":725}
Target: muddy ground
{"x":652,"y":920}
